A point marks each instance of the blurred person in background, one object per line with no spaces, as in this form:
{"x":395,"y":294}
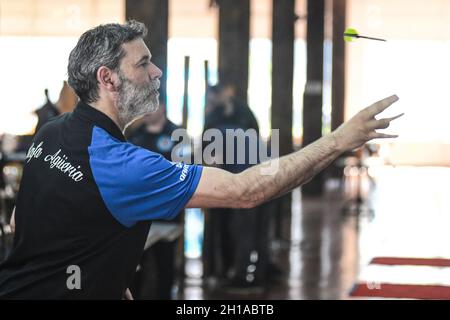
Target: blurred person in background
{"x":66,"y":103}
{"x":238,"y":235}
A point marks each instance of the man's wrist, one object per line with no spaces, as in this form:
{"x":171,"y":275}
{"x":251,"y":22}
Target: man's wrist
{"x":336,"y":143}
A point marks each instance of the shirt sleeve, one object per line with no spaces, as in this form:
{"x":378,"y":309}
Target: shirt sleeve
{"x":137,"y":184}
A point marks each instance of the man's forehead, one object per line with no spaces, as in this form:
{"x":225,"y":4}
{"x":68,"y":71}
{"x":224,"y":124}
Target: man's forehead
{"x":135,"y":50}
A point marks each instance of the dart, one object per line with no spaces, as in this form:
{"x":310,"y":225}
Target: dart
{"x":351,"y":34}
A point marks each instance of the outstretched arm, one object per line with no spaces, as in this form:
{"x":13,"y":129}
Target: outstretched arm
{"x":218,"y":188}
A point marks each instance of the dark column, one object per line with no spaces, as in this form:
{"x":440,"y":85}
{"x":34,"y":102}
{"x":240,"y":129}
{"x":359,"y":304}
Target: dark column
{"x":234,"y":37}
{"x":338,"y":80}
{"x":186,"y":93}
{"x":283,"y":21}
{"x":312,"y":100}
{"x":155,"y":15}
{"x":206,"y":76}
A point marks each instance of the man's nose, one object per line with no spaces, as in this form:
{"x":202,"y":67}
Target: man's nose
{"x":155,"y":72}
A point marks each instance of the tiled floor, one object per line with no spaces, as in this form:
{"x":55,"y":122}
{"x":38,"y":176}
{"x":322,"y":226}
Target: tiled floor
{"x":410,"y":217}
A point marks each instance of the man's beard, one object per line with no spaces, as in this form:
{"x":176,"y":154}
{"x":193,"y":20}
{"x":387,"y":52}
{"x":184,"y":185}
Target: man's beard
{"x":134,"y":101}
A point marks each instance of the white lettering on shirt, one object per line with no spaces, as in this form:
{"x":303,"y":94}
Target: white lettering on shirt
{"x":34,"y":152}
{"x":184,"y":172}
{"x":60,"y":162}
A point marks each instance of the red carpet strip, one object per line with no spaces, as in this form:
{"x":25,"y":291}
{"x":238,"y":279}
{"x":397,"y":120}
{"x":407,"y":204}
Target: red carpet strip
{"x":402,"y":291}
{"x":404,"y":278}
{"x":411,"y":261}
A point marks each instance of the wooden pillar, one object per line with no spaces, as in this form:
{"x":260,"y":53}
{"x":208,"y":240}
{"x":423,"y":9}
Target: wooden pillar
{"x":234,"y":38}
{"x":155,"y":15}
{"x":186,"y":93}
{"x":206,"y":76}
{"x":312,"y":100}
{"x":338,"y":78}
{"x":283,"y":36}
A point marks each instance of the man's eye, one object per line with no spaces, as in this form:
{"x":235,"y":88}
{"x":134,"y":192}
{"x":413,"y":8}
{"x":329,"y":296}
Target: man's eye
{"x":144,"y":64}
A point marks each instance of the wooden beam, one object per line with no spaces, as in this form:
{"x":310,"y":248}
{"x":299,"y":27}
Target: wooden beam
{"x":312,"y":100}
{"x":206,"y":76}
{"x":283,"y":71}
{"x":186,"y":93}
{"x":283,"y":36}
{"x":234,"y":38}
{"x":155,"y":15}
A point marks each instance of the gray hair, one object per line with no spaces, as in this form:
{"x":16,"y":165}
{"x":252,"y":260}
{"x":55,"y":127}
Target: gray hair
{"x":100,"y":46}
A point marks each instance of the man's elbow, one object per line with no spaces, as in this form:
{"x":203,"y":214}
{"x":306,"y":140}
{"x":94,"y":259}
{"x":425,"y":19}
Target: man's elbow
{"x":244,"y":197}
{"x":248,"y":204}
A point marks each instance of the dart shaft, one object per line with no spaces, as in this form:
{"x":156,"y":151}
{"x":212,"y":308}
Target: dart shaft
{"x":370,"y":38}
{"x":358,"y":36}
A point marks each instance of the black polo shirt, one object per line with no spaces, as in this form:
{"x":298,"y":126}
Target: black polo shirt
{"x":86,"y":201}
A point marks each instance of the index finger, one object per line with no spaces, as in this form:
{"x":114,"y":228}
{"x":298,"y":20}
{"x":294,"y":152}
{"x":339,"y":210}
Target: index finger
{"x":381,"y":105}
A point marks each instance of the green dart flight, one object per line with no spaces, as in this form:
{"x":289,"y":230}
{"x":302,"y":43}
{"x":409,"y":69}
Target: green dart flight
{"x":351,"y":34}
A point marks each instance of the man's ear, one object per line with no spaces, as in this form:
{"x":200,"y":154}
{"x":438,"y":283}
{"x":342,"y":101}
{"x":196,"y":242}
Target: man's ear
{"x":107,"y":79}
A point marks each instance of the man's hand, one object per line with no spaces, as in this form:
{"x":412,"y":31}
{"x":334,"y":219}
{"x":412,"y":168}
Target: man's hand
{"x":361,"y":128}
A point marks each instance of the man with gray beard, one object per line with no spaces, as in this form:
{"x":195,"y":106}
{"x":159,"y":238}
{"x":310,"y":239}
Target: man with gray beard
{"x":83,"y":239}
{"x":134,"y":100}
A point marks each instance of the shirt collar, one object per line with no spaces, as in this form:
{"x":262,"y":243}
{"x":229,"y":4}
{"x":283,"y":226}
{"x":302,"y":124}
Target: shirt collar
{"x":99,"y":119}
